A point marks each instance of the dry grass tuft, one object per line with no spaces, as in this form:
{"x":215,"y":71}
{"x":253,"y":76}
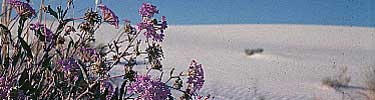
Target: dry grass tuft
{"x":370,"y":82}
{"x":341,"y":80}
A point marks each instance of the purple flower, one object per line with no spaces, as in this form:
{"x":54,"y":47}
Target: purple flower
{"x":21,"y":95}
{"x":164,"y":24}
{"x":148,"y":10}
{"x":149,"y":89}
{"x":107,"y":86}
{"x":35,"y":26}
{"x":48,"y":35}
{"x":89,"y":54}
{"x":90,"y":51}
{"x":4,"y":87}
{"x":109,"y":16}
{"x":69,"y":65}
{"x":126,"y":20}
{"x":195,"y":77}
{"x":22,"y":8}
{"x":47,"y":32}
{"x":150,"y":31}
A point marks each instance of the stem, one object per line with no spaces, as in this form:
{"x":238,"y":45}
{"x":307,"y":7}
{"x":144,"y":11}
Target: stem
{"x":161,"y":76}
{"x":9,"y":13}
{"x":87,"y":90}
{"x":3,"y":10}
{"x":131,"y":42}
{"x":169,"y":79}
{"x":80,"y":96}
{"x":41,"y":11}
{"x":176,"y":89}
{"x":112,"y":77}
{"x":148,"y":71}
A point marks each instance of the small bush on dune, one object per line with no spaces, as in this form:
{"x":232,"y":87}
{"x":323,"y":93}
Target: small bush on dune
{"x":370,"y":82}
{"x":341,"y":82}
{"x":337,"y":81}
{"x":38,"y":62}
{"x":370,"y":78}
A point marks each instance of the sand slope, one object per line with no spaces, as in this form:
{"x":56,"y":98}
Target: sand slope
{"x":295,"y":58}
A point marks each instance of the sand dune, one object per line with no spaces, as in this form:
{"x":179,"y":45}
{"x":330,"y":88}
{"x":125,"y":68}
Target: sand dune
{"x":295,"y":58}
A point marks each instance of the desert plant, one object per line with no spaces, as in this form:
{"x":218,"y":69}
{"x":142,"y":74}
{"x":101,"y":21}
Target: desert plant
{"x":337,"y":81}
{"x":370,"y":82}
{"x":370,"y":78}
{"x":341,"y":81}
{"x":38,"y":62}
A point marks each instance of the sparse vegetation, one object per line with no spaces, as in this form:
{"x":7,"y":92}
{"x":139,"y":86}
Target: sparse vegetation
{"x":370,"y":82}
{"x":337,"y":81}
{"x":250,"y":52}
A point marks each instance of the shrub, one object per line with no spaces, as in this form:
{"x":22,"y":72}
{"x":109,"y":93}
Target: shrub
{"x":57,"y":64}
{"x":337,"y":81}
{"x":370,"y":82}
{"x":370,"y":79}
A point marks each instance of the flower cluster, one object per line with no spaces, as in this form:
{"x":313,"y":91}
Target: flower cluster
{"x":89,"y":51}
{"x":149,"y":89}
{"x":91,"y":18}
{"x":154,"y":55}
{"x":36,"y":26}
{"x":109,"y":16}
{"x":69,"y":65}
{"x":195,"y":77}
{"x":89,"y":54}
{"x":148,"y":10}
{"x":151,"y":26}
{"x":164,"y":24}
{"x":4,"y":87}
{"x":47,"y":32}
{"x":107,"y":87}
{"x":150,"y":31}
{"x":22,"y":8}
{"x":78,"y":67}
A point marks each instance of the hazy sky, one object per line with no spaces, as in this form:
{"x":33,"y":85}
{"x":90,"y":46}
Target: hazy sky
{"x":321,"y":12}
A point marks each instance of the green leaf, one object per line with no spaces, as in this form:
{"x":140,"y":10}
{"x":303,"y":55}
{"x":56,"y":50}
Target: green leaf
{"x":84,"y":72}
{"x":59,"y":10}
{"x":47,"y":63}
{"x":52,"y":12}
{"x":26,"y":85}
{"x":24,"y":76}
{"x":16,"y":58}
{"x":59,"y":29}
{"x":59,"y":53}
{"x":40,"y":35}
{"x":103,"y":95}
{"x":95,"y":89}
{"x":122,"y":89}
{"x":21,"y":23}
{"x":6,"y":62}
{"x":26,"y":47}
{"x":71,"y":43}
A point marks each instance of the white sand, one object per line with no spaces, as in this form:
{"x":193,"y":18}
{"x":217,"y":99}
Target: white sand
{"x":295,"y":58}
